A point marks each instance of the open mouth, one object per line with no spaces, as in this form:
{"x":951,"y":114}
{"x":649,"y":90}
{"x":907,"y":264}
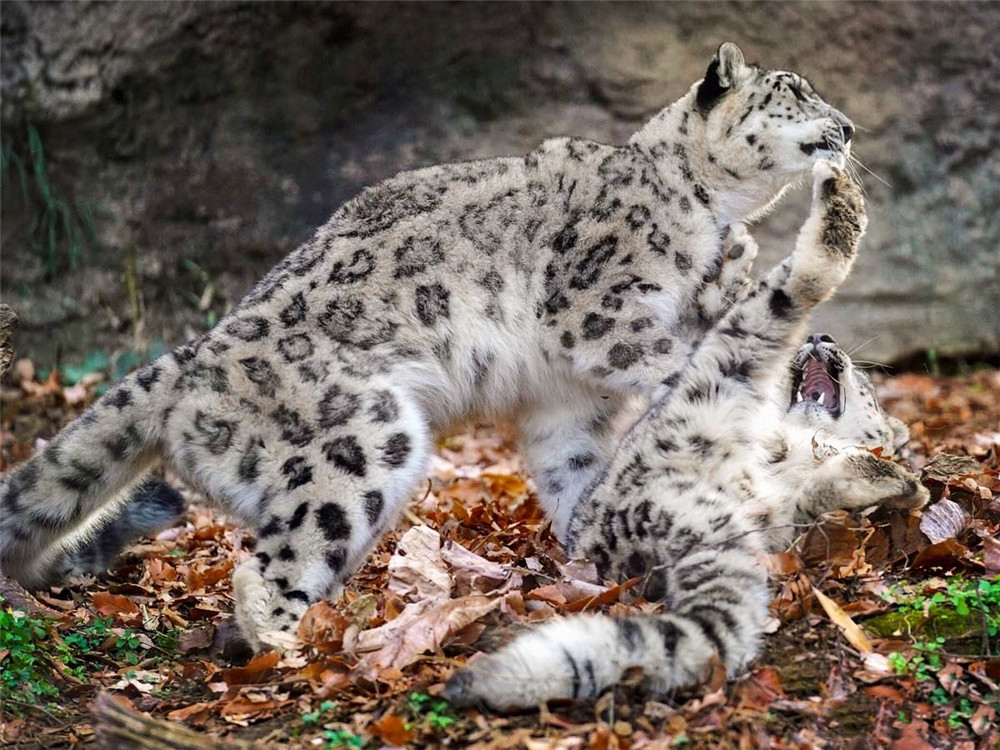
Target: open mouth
{"x":815,"y":383}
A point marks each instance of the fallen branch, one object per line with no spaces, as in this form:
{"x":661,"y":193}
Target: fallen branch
{"x":119,"y":728}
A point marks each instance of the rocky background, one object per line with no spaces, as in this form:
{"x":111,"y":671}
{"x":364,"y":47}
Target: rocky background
{"x":159,"y":157}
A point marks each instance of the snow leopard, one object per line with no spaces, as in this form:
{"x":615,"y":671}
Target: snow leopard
{"x":550,"y":289}
{"x":751,"y":443}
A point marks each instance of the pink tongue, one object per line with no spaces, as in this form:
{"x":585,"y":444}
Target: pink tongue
{"x":816,"y":381}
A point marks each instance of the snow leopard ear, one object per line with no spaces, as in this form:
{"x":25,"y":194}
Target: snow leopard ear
{"x":900,"y":433}
{"x":726,"y":71}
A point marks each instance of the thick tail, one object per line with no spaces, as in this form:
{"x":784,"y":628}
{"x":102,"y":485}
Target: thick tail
{"x":579,"y":657}
{"x":153,"y":506}
{"x":62,"y":493}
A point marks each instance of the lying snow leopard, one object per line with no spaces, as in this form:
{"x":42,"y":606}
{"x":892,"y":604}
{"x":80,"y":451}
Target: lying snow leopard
{"x":551,"y":288}
{"x":742,"y":449}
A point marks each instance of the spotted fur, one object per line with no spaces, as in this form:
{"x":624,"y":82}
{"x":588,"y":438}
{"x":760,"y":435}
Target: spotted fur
{"x":552,"y":288}
{"x":720,"y":469}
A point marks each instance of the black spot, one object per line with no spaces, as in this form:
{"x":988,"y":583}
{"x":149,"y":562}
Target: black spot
{"x":286,"y":553}
{"x":708,"y":627}
{"x":337,"y":407}
{"x":658,"y":241}
{"x":262,"y":374}
{"x":249,"y":468}
{"x":669,"y":634}
{"x":701,"y":194}
{"x":297,"y":595}
{"x":780,"y":304}
{"x":335,"y":559}
{"x":345,"y":453}
{"x":199,"y":374}
{"x":272,"y":527}
{"x":623,"y":355}
{"x":492,"y":281}
{"x":683,"y":262}
{"x":629,"y":633}
{"x":248,"y":329}
{"x":361,"y":265}
{"x":595,"y":326}
{"x":300,"y":513}
{"x":374,"y":503}
{"x":416,"y":255}
{"x":637,"y":217}
{"x":432,"y":302}
{"x":333,"y":522}
{"x":582,"y":461}
{"x":567,"y":340}
{"x":663,"y":346}
{"x":119,"y":398}
{"x":277,"y":611}
{"x":565,"y":240}
{"x":147,"y":377}
{"x":295,"y":348}
{"x":383,"y":407}
{"x":396,"y":450}
{"x":265,"y":559}
{"x":633,"y":476}
{"x":611,"y":302}
{"x":281,"y":582}
{"x":295,"y":312}
{"x":121,"y":445}
{"x":298,"y":473}
{"x":294,"y":429}
{"x":640,"y":324}
{"x":588,"y":270}
{"x":215,"y":435}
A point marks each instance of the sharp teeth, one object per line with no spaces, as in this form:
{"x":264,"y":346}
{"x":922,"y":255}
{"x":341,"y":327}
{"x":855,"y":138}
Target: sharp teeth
{"x":798,"y":397}
{"x":821,"y":399}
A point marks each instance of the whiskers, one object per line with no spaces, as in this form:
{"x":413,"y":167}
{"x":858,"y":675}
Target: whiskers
{"x":853,"y":163}
{"x":850,"y":352}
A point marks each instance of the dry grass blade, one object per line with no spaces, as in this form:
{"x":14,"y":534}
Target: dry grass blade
{"x":854,"y":634}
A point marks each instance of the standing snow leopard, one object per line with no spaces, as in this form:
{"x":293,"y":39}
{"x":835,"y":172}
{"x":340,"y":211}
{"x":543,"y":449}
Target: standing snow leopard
{"x":743,"y":449}
{"x":551,"y":288}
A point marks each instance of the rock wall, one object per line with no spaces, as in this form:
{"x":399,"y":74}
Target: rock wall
{"x":213,"y":137}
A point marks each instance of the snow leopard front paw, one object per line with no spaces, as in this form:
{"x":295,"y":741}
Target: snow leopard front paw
{"x":841,"y":206}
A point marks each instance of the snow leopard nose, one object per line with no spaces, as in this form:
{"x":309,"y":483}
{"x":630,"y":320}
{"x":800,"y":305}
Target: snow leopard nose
{"x":821,"y":338}
{"x":848,"y":130}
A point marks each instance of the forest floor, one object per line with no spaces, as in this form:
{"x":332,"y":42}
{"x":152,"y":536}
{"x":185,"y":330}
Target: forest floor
{"x":885,"y":628}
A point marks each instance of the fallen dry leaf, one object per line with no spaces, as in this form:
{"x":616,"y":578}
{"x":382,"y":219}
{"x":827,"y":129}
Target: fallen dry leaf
{"x":945,"y":519}
{"x":417,"y":570}
{"x":253,"y":673}
{"x":422,"y":627}
{"x":392,"y":729}
{"x":116,"y":605}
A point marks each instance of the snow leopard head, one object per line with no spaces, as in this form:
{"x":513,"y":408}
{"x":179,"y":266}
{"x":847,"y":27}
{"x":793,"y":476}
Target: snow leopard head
{"x":831,"y":395}
{"x":764,"y":123}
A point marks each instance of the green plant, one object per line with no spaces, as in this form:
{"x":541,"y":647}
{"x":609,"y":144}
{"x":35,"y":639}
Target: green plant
{"x":923,"y":663}
{"x":342,"y":738}
{"x":436,"y":713}
{"x":961,"y":602}
{"x":25,"y":670}
{"x":61,"y":229}
{"x":313,"y":717}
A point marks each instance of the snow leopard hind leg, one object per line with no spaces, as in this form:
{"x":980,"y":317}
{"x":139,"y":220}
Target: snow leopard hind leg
{"x":671,"y":507}
{"x":319,"y":469}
